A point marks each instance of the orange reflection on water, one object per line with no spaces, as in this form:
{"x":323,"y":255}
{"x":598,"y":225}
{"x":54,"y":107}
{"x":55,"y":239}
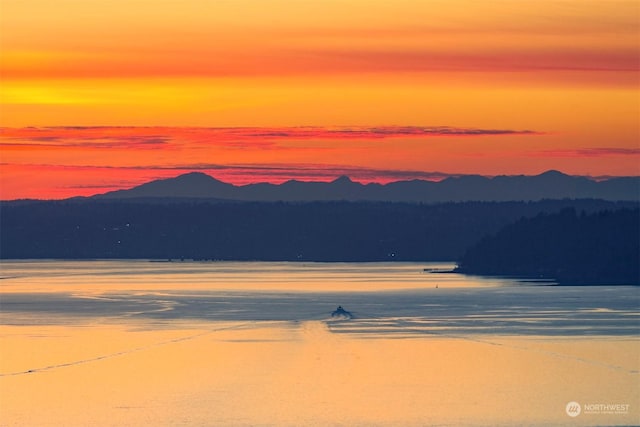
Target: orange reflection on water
{"x":302,"y":373}
{"x":98,"y":277}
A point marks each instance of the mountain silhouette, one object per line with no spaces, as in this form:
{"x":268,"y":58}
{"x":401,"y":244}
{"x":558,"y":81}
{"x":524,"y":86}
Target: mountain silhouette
{"x":548,"y":185}
{"x":190,"y":185}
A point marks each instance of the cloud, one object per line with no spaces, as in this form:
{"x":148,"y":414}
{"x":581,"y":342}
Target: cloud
{"x":356,"y":57}
{"x":239,"y":174}
{"x":55,"y":158}
{"x":589,"y":152}
{"x":143,"y":138}
{"x":382,"y":132}
{"x":100,"y":138}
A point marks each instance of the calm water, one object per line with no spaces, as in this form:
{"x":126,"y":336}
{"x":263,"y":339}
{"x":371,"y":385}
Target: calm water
{"x":138,"y":342}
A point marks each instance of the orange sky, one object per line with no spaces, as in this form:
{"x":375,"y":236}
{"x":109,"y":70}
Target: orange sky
{"x":255,"y":90}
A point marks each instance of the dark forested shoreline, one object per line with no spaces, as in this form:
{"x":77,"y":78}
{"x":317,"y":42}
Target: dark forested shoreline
{"x":269,"y":231}
{"x":569,"y":247}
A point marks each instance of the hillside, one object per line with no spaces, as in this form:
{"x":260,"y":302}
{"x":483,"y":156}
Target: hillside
{"x":571,"y":248}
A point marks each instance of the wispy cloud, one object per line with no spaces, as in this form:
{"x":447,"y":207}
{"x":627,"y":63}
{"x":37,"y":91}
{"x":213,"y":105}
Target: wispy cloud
{"x":352,"y":57}
{"x":79,"y":138}
{"x":242,"y":137}
{"x":589,"y":152}
{"x":57,"y":160}
{"x":239,"y":174}
{"x":381,"y":132}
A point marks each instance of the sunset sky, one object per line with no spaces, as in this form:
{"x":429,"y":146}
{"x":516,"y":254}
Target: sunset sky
{"x":105,"y":94}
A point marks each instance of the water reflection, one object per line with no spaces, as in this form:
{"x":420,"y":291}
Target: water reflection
{"x":524,"y":310}
{"x":88,"y":276}
{"x":105,"y":345}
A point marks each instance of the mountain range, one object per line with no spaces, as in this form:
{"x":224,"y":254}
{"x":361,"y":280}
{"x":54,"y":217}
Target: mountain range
{"x":548,"y":185}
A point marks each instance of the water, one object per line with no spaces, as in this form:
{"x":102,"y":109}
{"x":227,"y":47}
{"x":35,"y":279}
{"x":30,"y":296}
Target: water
{"x":238,"y":344}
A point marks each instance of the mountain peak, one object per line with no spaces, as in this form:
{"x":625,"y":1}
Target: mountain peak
{"x":192,"y":184}
{"x":194,"y":181}
{"x":343,"y":179}
{"x":195,"y":177}
{"x":553,"y":174}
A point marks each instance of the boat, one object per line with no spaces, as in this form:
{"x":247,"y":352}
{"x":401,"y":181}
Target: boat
{"x":341,"y":313}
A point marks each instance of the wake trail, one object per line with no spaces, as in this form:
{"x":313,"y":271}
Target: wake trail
{"x":123,"y":352}
{"x":315,"y":317}
{"x":549,"y":353}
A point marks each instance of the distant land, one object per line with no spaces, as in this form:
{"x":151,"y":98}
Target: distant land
{"x":549,"y":185}
{"x":267,"y":231}
{"x":552,"y":226}
{"x":569,"y":247}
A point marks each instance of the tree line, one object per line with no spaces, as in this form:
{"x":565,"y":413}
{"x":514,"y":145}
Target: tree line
{"x":570,"y":247}
{"x":269,"y":231}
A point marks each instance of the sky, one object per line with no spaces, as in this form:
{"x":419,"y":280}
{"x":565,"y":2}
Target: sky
{"x":107,"y":94}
